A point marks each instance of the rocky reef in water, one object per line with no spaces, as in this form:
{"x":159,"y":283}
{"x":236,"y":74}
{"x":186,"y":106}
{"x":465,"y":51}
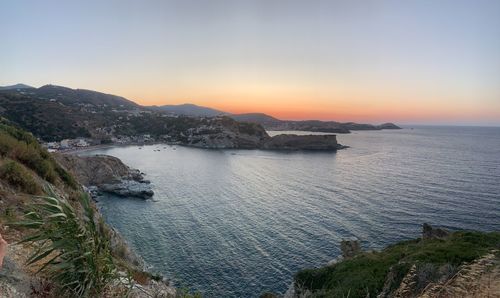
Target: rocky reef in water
{"x":106,"y":174}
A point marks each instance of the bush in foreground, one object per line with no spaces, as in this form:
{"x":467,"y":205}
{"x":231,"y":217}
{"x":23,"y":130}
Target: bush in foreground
{"x":365,"y":274}
{"x":17,"y":176}
{"x":73,"y":251}
{"x":23,"y":147}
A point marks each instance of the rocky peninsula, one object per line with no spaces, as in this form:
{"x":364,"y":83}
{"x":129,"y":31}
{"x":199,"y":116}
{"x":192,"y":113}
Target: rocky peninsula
{"x":106,"y":174}
{"x":302,"y":142}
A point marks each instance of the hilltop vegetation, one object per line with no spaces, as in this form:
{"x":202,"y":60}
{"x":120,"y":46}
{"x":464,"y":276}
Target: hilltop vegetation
{"x":61,"y":236}
{"x":371,"y":273}
{"x":190,"y":110}
{"x":20,"y":153}
{"x":53,"y":113}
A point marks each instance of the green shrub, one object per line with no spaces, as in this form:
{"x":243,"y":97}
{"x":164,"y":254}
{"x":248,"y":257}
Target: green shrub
{"x":20,"y":145}
{"x":66,"y":177}
{"x":367,"y":272}
{"x":17,"y":176}
{"x":74,"y":251}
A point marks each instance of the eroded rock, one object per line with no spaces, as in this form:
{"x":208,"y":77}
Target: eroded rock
{"x":428,"y":232}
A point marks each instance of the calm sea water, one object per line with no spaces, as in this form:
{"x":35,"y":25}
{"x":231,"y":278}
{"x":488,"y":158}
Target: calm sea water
{"x":231,"y":223}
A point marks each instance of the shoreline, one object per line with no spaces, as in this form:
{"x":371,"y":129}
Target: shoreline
{"x":103,"y":146}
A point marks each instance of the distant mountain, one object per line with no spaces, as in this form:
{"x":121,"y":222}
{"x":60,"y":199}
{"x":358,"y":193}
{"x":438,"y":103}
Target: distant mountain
{"x":53,"y":113}
{"x":271,"y":123}
{"x":255,"y":117}
{"x":70,"y":96}
{"x":188,"y":109}
{"x":15,"y":87}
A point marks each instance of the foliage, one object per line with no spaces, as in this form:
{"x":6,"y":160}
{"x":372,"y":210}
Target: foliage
{"x":73,"y":251}
{"x":17,"y":176}
{"x":22,"y":146}
{"x":366,"y":273}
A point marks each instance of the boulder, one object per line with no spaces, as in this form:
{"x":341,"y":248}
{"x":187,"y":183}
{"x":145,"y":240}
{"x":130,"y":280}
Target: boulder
{"x":98,"y":169}
{"x":428,"y":232}
{"x":350,"y":248}
{"x":129,"y":188}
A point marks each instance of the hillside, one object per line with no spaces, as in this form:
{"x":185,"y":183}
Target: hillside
{"x":66,"y":249}
{"x":436,"y":265}
{"x":16,"y":87}
{"x":261,"y":118}
{"x":81,"y":97}
{"x":189,"y":110}
{"x":55,"y":113}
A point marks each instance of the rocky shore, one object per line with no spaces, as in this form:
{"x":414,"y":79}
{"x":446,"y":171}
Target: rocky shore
{"x":106,"y":174}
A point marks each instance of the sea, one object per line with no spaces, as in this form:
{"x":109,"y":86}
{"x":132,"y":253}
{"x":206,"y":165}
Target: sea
{"x":237,"y":223}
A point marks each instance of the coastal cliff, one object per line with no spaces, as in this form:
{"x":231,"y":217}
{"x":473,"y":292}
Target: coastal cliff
{"x":104,"y":173}
{"x":57,"y":238}
{"x":229,"y":134}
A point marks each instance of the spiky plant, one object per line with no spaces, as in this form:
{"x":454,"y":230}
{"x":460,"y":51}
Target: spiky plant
{"x":74,"y":251}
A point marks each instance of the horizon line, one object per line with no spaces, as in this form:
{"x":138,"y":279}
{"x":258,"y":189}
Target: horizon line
{"x":444,"y":124}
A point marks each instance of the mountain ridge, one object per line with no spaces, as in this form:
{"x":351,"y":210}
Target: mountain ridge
{"x":16,"y":86}
{"x":189,"y":109}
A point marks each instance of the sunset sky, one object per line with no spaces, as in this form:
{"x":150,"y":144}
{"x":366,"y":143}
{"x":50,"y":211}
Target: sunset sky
{"x":435,"y":61}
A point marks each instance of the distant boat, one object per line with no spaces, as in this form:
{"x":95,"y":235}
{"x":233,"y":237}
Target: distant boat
{"x":140,"y":147}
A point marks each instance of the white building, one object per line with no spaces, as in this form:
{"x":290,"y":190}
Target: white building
{"x":81,"y":143}
{"x":65,"y":143}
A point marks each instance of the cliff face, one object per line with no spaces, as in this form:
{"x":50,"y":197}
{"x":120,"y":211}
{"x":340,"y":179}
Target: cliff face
{"x":104,"y":173}
{"x":97,"y":170}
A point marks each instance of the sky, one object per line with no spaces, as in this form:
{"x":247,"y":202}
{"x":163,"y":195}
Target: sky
{"x":421,"y":62}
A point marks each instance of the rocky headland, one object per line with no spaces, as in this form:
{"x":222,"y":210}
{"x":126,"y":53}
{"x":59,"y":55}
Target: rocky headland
{"x":302,"y":142}
{"x":242,"y":135}
{"x":106,"y":174}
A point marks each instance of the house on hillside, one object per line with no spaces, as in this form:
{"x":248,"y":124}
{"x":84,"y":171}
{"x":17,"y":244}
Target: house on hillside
{"x":65,"y":144}
{"x":81,"y":143}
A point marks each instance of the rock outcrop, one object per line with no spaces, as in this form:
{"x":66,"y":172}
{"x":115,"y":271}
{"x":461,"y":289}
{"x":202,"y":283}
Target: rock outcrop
{"x":428,"y":232}
{"x":104,"y":173}
{"x":129,"y":188}
{"x":350,"y":248}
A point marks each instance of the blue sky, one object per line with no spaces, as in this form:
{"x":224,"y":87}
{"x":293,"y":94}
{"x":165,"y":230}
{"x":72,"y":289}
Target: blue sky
{"x":404,"y":61}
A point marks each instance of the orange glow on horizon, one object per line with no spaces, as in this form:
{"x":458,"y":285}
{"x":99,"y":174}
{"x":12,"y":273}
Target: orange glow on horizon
{"x":347,"y":104}
{"x":346,"y":110}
